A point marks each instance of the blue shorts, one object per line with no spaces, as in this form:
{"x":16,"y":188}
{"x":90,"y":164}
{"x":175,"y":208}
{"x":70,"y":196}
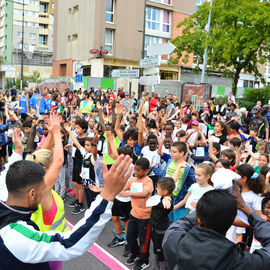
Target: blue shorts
{"x":178,"y":213}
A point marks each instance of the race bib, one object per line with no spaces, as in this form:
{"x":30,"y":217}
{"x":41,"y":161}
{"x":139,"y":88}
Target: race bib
{"x":200,"y":152}
{"x":99,"y":146}
{"x":85,"y":173}
{"x":137,"y":187}
{"x":153,"y":201}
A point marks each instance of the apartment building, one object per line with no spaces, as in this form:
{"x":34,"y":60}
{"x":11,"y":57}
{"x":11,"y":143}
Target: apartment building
{"x":32,"y":21}
{"x":118,"y":27}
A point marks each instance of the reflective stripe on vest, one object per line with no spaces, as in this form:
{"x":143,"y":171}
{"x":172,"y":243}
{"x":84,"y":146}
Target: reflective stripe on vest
{"x":59,"y":223}
{"x":87,"y":108}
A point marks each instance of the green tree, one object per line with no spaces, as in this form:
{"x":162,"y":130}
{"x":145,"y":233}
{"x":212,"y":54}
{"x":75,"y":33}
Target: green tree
{"x":35,"y":77}
{"x":238,"y":40}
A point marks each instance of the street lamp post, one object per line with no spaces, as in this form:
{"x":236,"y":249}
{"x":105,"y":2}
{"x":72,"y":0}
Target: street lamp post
{"x":22,"y":47}
{"x":206,"y":47}
{"x":143,"y":39}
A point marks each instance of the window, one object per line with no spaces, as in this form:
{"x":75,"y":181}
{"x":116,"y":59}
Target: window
{"x":74,"y":36}
{"x":18,"y":11}
{"x":19,"y":23}
{"x":33,"y":2}
{"x":43,"y":7}
{"x":75,"y":8}
{"x":31,"y":24}
{"x":42,"y":40}
{"x":109,"y":10}
{"x":19,"y":34}
{"x":158,"y":20}
{"x":109,"y":41}
{"x":245,"y":84}
{"x":151,"y":40}
{"x":33,"y":35}
{"x":168,"y":75}
{"x":43,"y":26}
{"x":166,"y":2}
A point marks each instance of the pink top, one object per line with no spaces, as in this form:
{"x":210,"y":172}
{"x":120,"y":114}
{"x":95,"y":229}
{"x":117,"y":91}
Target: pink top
{"x":49,"y":216}
{"x":43,"y":139}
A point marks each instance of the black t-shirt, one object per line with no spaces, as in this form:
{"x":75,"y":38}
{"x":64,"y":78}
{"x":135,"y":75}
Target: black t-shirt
{"x":222,"y":138}
{"x":159,"y":217}
{"x":78,"y":156}
{"x":260,"y":124}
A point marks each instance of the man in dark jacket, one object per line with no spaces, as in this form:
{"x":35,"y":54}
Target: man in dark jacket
{"x":204,"y":245}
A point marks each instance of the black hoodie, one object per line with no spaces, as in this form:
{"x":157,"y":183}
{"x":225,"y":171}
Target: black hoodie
{"x":189,"y":247}
{"x":11,"y":214}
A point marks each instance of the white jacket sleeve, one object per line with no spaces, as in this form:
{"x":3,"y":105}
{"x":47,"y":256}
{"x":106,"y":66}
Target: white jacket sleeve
{"x":31,"y":246}
{"x":3,"y":188}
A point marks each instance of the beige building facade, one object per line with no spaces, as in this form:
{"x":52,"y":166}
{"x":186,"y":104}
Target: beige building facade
{"x":118,"y":27}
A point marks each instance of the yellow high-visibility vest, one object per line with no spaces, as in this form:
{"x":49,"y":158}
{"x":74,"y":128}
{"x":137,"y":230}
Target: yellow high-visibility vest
{"x":86,"y":107}
{"x":59,"y":223}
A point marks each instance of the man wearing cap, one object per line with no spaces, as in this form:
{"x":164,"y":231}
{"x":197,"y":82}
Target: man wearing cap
{"x":261,"y":124}
{"x":127,"y":102}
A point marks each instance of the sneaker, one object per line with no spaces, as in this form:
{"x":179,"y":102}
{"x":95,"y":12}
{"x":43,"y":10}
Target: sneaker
{"x":132,"y":260}
{"x":126,"y":251}
{"x":141,"y":266}
{"x":73,"y":204}
{"x":116,"y":242}
{"x":78,"y":209}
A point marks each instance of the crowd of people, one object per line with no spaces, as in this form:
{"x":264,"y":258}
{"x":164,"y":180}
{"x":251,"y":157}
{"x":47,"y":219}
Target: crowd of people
{"x":142,"y":162}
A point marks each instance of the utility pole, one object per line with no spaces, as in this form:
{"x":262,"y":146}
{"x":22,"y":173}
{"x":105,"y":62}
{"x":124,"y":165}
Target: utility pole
{"x":22,"y":47}
{"x":143,"y":40}
{"x":206,"y":47}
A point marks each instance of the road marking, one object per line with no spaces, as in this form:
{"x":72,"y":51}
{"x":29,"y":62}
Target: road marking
{"x":104,"y":256}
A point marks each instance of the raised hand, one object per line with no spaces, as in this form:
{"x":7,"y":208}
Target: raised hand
{"x":67,"y":127}
{"x":119,"y":109}
{"x":115,"y":179}
{"x":16,"y":139}
{"x":109,"y":136}
{"x":54,"y":123}
{"x":98,"y":105}
{"x":141,"y":107}
{"x":95,"y":188}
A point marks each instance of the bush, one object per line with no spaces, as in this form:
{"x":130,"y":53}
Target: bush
{"x":253,"y":95}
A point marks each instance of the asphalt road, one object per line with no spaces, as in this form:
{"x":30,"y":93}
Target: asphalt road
{"x":88,"y":260}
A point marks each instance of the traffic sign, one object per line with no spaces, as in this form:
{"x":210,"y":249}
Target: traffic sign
{"x":78,"y":78}
{"x":160,"y":49}
{"x":150,"y":71}
{"x":149,"y":80}
{"x":125,"y":73}
{"x":150,"y":62}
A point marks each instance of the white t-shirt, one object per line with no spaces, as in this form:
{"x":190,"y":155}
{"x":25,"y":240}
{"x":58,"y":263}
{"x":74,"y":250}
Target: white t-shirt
{"x":196,"y":193}
{"x":152,"y":156}
{"x":192,"y":137}
{"x":253,"y":201}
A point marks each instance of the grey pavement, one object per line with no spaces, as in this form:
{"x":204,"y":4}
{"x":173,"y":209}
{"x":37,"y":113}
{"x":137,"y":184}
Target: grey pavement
{"x":89,"y":261}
